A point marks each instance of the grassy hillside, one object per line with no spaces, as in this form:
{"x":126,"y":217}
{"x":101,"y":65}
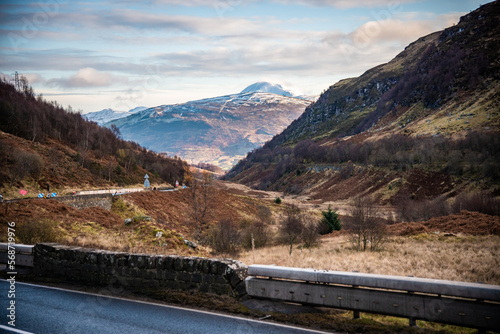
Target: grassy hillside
{"x":170,"y":213}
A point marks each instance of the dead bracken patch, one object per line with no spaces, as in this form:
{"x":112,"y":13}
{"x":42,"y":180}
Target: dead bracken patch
{"x":465,"y":222}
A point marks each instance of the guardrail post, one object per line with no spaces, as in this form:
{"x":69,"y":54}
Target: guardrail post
{"x":413,"y":322}
{"x":355,"y":313}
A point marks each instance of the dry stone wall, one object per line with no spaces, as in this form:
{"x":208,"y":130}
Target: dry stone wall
{"x":132,"y":271}
{"x":104,"y":201}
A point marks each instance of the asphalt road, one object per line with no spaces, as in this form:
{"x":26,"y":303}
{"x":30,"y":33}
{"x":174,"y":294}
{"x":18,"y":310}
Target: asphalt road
{"x":44,"y":310}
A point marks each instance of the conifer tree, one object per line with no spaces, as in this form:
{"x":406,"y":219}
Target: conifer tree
{"x":330,"y":221}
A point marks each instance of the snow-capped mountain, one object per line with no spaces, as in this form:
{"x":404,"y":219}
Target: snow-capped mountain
{"x":107,"y":115}
{"x":266,"y":87}
{"x":219,"y":130}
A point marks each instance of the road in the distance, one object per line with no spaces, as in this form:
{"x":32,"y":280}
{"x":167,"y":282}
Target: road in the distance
{"x":43,"y":310}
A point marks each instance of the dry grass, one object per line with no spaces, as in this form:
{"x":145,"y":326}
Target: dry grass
{"x":457,"y":258}
{"x":138,"y":238}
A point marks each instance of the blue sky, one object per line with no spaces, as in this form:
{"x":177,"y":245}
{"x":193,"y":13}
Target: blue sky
{"x":122,"y":54}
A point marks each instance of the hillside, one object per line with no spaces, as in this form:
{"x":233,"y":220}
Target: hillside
{"x":105,"y":229}
{"x":42,"y":145}
{"x":219,"y":130}
{"x":424,"y":124}
{"x":435,"y":85}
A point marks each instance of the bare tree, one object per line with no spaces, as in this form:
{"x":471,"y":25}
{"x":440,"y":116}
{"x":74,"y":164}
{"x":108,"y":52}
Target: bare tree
{"x":292,"y":226}
{"x":265,"y":215}
{"x":310,"y":234}
{"x":54,"y":160}
{"x":200,"y":190}
{"x":365,"y":228}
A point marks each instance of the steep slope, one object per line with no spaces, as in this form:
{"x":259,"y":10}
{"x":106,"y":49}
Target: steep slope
{"x":432,"y":113}
{"x":43,"y":145}
{"x":218,"y":130}
{"x":429,"y":81}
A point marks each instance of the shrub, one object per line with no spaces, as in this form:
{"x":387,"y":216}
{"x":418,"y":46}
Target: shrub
{"x":224,"y":237}
{"x":254,"y":234}
{"x":480,"y":202}
{"x":277,"y":200}
{"x":33,"y":232}
{"x":27,"y":164}
{"x":265,"y":214}
{"x":409,"y":209}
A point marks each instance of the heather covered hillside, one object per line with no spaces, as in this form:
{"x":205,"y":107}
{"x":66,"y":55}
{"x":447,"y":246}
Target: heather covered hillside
{"x":424,"y":125}
{"x":42,"y":144}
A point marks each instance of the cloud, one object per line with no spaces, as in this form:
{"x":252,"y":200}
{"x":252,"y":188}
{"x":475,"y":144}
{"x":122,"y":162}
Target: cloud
{"x":34,"y":78}
{"x":120,"y":21}
{"x":86,"y":77}
{"x":228,"y":4}
{"x":344,"y":4}
{"x":397,"y":30}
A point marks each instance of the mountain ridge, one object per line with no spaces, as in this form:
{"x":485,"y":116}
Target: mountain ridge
{"x":219,"y":130}
{"x":107,"y":115}
{"x":417,"y":112}
{"x":451,"y":61}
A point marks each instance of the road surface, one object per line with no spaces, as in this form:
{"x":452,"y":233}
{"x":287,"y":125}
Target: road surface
{"x":44,"y":310}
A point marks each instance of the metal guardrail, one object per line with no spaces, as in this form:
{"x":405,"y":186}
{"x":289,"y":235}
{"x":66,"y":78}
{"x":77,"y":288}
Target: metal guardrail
{"x":457,"y":303}
{"x":24,"y":254}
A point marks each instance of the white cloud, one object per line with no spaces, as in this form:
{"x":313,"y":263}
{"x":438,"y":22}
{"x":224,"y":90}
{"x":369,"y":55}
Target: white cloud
{"x":345,"y":3}
{"x":87,"y":77}
{"x":34,"y":78}
{"x":399,"y":31}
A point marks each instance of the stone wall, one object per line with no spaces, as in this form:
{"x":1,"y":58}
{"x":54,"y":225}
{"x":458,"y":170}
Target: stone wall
{"x":87,"y":201}
{"x":132,"y":271}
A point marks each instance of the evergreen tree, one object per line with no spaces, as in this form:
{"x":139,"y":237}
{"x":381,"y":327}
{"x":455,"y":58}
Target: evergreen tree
{"x":330,"y":221}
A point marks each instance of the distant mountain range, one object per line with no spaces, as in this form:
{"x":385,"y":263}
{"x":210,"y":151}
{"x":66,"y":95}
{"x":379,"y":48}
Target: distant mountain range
{"x":107,"y":115}
{"x":219,"y":130}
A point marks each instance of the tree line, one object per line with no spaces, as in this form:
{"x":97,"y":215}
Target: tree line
{"x":477,"y":154}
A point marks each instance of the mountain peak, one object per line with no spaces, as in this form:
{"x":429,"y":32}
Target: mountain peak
{"x":266,"y":87}
{"x":108,"y":114}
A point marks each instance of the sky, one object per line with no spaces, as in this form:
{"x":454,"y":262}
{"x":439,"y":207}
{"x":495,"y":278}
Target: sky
{"x":93,"y":55}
